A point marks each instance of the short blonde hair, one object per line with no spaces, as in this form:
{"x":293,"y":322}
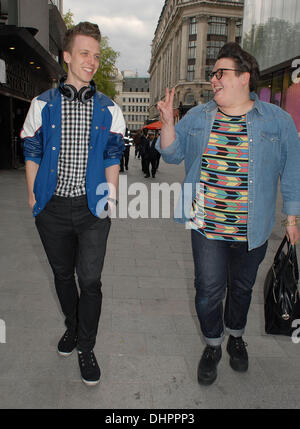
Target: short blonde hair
{"x":83,"y":28}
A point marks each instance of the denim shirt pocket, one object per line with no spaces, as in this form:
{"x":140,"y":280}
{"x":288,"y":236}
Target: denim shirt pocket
{"x":195,"y":141}
{"x":271,"y":148}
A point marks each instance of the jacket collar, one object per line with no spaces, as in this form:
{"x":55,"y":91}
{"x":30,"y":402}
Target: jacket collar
{"x":212,"y":105}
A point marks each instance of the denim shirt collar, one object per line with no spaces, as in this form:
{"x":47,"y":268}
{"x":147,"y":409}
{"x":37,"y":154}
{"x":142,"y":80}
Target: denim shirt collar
{"x":212,"y":105}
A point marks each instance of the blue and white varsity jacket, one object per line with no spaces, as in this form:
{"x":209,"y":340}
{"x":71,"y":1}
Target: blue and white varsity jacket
{"x":42,"y":138}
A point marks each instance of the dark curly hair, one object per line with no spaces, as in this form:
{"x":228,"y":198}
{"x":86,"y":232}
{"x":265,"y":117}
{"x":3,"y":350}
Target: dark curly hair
{"x":83,"y":28}
{"x":243,"y":61}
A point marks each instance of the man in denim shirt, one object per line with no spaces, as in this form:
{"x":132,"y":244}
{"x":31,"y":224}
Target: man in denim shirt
{"x":235,"y":149}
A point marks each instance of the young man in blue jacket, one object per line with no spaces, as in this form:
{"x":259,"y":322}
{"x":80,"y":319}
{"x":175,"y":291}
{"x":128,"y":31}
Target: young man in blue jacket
{"x":73,"y":143}
{"x":235,"y":150}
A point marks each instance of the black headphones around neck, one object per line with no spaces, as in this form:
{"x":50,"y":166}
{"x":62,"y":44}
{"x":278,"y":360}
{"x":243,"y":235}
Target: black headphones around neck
{"x":70,"y":92}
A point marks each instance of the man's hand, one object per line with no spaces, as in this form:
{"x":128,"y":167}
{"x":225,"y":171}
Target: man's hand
{"x":31,"y":172}
{"x":165,"y":108}
{"x":167,"y":135}
{"x":112,"y":208}
{"x":293,"y":234}
{"x":31,"y":201}
{"x":292,"y":231}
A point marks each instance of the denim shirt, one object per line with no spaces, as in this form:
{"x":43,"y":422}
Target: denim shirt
{"x":274,"y":153}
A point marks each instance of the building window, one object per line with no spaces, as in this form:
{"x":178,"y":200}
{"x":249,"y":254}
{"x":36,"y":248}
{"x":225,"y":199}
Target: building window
{"x":192,"y":49}
{"x":212,"y":48}
{"x":190,"y":73}
{"x":189,"y":98}
{"x":217,"y":25}
{"x":207,"y":95}
{"x":193,"y":26}
{"x":208,"y":70}
{"x":238,"y":32}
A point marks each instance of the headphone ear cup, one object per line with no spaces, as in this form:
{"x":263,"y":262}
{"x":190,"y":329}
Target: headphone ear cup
{"x":87,"y":92}
{"x":84,"y":94}
{"x":68,"y":91}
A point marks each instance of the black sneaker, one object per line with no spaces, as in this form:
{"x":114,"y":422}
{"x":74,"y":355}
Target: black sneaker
{"x":207,"y":369}
{"x":236,"y":348}
{"x":67,"y":343}
{"x":89,"y":368}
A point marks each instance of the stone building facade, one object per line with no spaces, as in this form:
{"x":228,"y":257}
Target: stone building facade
{"x":134,"y":101}
{"x":186,"y":43}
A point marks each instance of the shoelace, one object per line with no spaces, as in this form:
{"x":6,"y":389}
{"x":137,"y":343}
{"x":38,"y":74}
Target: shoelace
{"x":240,"y":344}
{"x":210,"y":352}
{"x":87,"y":357}
{"x":66,"y":336}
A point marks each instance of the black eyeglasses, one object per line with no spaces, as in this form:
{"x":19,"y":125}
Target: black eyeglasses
{"x":219,"y":73}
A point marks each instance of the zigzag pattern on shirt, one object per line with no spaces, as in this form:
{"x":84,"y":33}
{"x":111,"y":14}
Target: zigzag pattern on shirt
{"x":222,"y":212}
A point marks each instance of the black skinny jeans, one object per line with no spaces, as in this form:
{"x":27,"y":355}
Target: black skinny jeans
{"x":75,"y":241}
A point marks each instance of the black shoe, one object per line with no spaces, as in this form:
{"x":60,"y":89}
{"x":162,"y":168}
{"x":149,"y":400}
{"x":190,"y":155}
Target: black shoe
{"x":147,"y":175}
{"x":207,"y":369}
{"x":121,"y":171}
{"x":236,"y":348}
{"x":153,"y":176}
{"x":89,"y":368}
{"x":67,"y":343}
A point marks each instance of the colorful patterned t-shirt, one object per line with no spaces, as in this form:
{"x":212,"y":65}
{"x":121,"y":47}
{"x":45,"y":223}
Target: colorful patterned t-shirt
{"x":220,"y":209}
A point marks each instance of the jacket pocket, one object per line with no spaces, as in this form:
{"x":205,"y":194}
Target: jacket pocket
{"x":271,"y":148}
{"x":195,"y":140}
{"x":270,"y":137}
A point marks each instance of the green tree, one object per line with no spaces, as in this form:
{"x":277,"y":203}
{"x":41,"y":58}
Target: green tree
{"x":105,"y":74}
{"x":108,"y":57}
{"x":68,"y":18}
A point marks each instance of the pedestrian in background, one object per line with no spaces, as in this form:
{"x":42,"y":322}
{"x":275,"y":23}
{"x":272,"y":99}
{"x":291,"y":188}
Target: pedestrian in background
{"x":126,"y":153}
{"x":144,"y":149}
{"x":73,"y":142}
{"x":158,"y":154}
{"x":137,"y":143}
{"x":235,"y":149}
{"x":151,"y":155}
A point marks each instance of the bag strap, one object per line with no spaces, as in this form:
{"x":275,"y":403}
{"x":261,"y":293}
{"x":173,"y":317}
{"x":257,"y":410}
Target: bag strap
{"x":284,"y":241}
{"x":292,"y":255}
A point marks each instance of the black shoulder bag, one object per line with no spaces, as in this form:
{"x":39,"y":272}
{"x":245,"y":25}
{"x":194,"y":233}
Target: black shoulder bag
{"x":281,"y":294}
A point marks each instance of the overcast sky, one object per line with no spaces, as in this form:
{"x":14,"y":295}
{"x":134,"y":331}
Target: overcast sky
{"x":129,"y":25}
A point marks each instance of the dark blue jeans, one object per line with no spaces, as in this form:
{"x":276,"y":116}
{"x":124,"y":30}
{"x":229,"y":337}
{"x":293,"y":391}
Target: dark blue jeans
{"x":75,"y":241}
{"x":223,"y":269}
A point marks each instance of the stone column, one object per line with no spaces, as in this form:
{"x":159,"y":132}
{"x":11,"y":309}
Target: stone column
{"x":184,"y":49}
{"x":173,"y":62}
{"x":202,"y":26}
{"x":231,"y":29}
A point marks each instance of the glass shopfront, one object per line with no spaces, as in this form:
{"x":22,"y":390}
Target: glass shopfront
{"x":271,"y":32}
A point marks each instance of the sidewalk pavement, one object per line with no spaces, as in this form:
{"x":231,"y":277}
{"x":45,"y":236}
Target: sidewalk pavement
{"x":148,"y":344}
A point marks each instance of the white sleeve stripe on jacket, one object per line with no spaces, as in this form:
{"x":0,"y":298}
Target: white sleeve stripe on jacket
{"x":33,"y":121}
{"x":118,"y":125}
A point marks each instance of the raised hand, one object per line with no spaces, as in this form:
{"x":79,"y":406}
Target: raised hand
{"x":165,"y":108}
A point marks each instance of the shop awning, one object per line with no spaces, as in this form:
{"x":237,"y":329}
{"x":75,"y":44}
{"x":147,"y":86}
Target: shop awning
{"x":20,"y":42}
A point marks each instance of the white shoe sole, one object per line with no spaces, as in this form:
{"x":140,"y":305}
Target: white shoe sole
{"x":64,"y":354}
{"x":90,"y":383}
